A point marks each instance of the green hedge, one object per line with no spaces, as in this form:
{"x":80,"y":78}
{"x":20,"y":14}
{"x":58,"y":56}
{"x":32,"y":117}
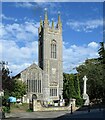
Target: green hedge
{"x":79,"y":101}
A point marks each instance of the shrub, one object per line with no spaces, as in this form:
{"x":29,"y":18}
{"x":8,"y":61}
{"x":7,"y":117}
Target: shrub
{"x":6,"y":109}
{"x":79,"y":101}
{"x":29,"y":110}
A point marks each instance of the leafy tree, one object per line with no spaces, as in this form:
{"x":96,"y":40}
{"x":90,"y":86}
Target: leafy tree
{"x":95,"y":84}
{"x":77,"y":85}
{"x":101,"y":52}
{"x":6,"y":79}
{"x":79,"y":100}
{"x":71,"y":87}
{"x":94,"y":69}
{"x":68,"y":86}
{"x":19,"y":89}
{"x":65,"y":86}
{"x":10,"y":86}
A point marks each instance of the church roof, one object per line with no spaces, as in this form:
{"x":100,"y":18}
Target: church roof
{"x":30,"y":67}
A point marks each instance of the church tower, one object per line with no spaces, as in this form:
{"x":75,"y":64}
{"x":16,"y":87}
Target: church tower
{"x":50,"y":58}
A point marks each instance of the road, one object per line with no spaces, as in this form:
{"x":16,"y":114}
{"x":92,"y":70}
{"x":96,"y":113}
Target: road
{"x":84,"y":115}
{"x":94,"y":114}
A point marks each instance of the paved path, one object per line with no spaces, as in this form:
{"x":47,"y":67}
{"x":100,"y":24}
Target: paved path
{"x":36,"y":115}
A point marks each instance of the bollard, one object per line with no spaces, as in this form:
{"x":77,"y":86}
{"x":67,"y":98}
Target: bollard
{"x":71,"y":109}
{"x":100,"y":107}
{"x":89,"y":108}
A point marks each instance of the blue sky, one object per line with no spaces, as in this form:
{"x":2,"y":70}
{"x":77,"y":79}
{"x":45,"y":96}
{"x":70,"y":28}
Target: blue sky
{"x":82,"y":31}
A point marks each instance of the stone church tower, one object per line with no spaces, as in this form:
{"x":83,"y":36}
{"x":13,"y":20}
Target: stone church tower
{"x":50,"y":58}
{"x":45,"y":80}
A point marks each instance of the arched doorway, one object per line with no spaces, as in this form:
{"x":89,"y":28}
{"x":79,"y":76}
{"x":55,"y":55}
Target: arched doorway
{"x":34,"y":96}
{"x":34,"y":102}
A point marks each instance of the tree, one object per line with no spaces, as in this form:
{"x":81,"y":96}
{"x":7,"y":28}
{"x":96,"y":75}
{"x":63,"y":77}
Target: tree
{"x":10,"y":86}
{"x":101,"y":52}
{"x":101,"y":59}
{"x":95,"y":84}
{"x":65,"y":86}
{"x":19,"y":89}
{"x":71,"y":88}
{"x":77,"y":86}
{"x":68,"y":86}
{"x":94,"y":69}
{"x":6,"y":79}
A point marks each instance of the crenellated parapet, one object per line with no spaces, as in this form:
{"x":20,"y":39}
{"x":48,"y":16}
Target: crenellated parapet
{"x":44,"y":24}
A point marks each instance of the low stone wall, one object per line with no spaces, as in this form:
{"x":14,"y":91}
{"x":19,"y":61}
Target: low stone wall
{"x":37,"y":106}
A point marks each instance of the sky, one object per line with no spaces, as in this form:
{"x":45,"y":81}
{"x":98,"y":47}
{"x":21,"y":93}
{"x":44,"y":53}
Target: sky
{"x":53,"y":0}
{"x":82,"y":24}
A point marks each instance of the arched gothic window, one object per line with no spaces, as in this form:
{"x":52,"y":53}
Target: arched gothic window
{"x":53,"y":49}
{"x":34,"y":81}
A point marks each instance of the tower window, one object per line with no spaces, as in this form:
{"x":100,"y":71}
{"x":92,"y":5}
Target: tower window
{"x":53,"y":50}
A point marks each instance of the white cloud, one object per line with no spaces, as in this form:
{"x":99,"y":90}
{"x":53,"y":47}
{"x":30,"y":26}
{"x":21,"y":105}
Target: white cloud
{"x":36,"y":4}
{"x":86,"y":26}
{"x":93,"y":45}
{"x":18,"y":45}
{"x":20,"y":32}
{"x":19,"y":57}
{"x":51,"y":6}
{"x":25,"y":5}
{"x":15,"y":69}
{"x":12,"y":51}
{"x":75,"y":55}
{"x":8,"y":18}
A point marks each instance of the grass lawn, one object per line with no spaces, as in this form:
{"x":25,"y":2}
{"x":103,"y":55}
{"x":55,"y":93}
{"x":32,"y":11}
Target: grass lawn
{"x":15,"y":107}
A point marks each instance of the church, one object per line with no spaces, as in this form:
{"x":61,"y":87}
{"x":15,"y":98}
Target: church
{"x":45,"y":80}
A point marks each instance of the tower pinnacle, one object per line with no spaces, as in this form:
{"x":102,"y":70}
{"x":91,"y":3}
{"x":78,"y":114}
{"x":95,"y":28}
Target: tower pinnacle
{"x":59,"y":20}
{"x":41,"y":21}
{"x":45,"y":15}
{"x":52,"y":23}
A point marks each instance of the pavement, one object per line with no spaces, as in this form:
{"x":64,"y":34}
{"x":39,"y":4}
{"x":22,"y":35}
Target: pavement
{"x":94,"y":114}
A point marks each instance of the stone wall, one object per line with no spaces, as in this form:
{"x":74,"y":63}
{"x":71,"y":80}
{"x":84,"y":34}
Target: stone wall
{"x":37,"y":106}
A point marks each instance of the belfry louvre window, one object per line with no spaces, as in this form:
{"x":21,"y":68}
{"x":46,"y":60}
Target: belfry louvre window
{"x":53,"y":50}
{"x":53,"y":91}
{"x":34,"y":86}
